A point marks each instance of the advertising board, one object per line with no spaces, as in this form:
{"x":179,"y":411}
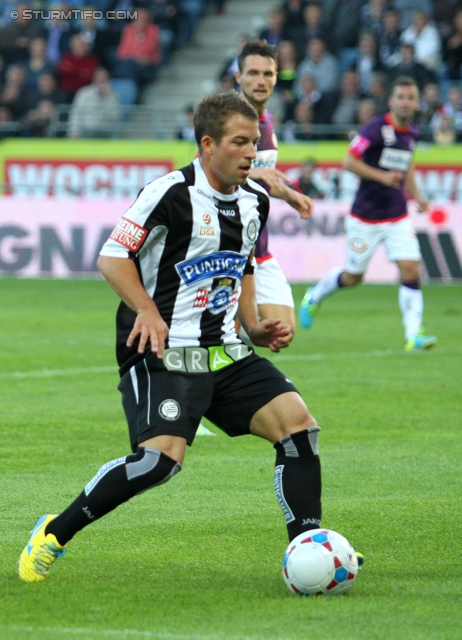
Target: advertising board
{"x":62,"y":237}
{"x":100,"y":169}
{"x":63,"y":197}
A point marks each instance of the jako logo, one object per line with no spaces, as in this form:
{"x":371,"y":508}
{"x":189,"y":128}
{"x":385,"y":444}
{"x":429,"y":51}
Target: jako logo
{"x":222,"y":263}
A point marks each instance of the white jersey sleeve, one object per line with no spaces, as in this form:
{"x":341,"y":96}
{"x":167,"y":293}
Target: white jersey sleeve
{"x":132,"y":230}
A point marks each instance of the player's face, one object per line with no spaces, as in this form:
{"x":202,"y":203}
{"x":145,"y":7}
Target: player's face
{"x":403,"y":103}
{"x":257,"y":80}
{"x":231,"y":160}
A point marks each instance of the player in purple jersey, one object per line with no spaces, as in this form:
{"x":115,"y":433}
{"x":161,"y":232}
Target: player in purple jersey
{"x":257,"y":77}
{"x":381,"y":155}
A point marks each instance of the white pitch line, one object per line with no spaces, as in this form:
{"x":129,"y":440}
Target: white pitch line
{"x":122,"y":633}
{"x":358,"y":354}
{"x":329,"y":356}
{"x":48,"y":373}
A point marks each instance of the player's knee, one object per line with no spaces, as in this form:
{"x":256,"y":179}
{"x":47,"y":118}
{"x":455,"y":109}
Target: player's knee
{"x":409,"y":270}
{"x":410,"y":274}
{"x":301,"y":444}
{"x":308,"y":422}
{"x":299,"y":419}
{"x":148,"y":468}
{"x":350,"y":279}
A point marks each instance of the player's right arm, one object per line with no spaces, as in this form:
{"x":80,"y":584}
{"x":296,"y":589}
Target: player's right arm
{"x":148,"y":217}
{"x":354,"y":164}
{"x":271,"y":177}
{"x":276,"y":180}
{"x":122,"y":275}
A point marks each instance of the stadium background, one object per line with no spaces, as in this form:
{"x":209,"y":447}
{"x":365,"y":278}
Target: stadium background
{"x":62,"y":199}
{"x":55,"y":171}
{"x":200,"y":557}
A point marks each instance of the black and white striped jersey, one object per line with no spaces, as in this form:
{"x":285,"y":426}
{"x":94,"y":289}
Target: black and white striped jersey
{"x":192,"y":246}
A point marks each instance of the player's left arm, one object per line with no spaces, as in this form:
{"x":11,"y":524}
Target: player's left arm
{"x":264,"y":333}
{"x":413,"y":189}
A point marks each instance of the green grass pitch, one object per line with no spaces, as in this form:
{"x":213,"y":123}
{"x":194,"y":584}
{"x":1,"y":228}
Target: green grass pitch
{"x":200,"y":557}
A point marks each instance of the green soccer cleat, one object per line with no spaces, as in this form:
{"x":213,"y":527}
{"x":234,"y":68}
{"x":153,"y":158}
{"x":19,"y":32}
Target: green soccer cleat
{"x":40,"y":552}
{"x":307,"y":310}
{"x":419,"y":343}
{"x":360,"y":559}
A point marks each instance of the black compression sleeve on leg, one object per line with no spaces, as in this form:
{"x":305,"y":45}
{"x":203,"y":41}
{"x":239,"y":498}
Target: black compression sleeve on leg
{"x":297,"y":480}
{"x":115,"y":483}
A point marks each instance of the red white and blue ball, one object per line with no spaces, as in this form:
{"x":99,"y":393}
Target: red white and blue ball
{"x":320,"y":561}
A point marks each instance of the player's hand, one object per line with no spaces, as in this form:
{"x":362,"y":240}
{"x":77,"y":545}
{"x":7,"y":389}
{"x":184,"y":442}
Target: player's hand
{"x":272,"y":334}
{"x":271,"y":177}
{"x":422,"y":204}
{"x":303,"y":204}
{"x":150,"y":327}
{"x":392,"y":179}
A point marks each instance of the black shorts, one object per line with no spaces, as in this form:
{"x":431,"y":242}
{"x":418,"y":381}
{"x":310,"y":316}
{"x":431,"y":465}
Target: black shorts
{"x":160,"y":402}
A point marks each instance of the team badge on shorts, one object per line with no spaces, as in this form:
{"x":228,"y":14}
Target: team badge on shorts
{"x":358,"y":245}
{"x":169,"y":410}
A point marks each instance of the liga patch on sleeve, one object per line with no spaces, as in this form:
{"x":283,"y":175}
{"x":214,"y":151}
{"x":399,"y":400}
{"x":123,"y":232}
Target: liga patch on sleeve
{"x":129,"y":234}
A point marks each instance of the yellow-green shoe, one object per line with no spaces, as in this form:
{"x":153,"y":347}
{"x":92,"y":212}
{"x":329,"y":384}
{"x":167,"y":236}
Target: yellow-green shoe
{"x":419,"y":343}
{"x":203,"y":431}
{"x":360,"y":558}
{"x":40,"y":552}
{"x":307,"y":310}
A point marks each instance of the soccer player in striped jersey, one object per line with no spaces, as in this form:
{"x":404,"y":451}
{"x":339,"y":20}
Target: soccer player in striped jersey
{"x":382,"y":156}
{"x":257,"y":77}
{"x":182,"y":261}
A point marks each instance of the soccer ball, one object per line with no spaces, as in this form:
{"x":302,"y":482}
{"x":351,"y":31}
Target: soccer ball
{"x":318,"y":562}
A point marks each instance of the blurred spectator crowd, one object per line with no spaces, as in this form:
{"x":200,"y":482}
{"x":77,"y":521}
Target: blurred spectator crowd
{"x":95,"y":56}
{"x":337,"y":59}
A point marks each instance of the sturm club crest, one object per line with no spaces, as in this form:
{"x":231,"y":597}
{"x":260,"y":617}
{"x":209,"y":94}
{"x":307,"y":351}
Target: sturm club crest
{"x":252,"y":229}
{"x":169,"y":410}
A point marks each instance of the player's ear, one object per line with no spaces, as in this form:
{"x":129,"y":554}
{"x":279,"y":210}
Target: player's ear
{"x":207,"y":145}
{"x":237,"y":76}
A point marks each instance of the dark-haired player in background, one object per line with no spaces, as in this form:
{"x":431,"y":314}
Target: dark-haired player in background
{"x":382,"y":156}
{"x":257,"y":75}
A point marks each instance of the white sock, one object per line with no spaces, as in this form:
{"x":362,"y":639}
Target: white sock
{"x":411,"y":305}
{"x":326,"y":286}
